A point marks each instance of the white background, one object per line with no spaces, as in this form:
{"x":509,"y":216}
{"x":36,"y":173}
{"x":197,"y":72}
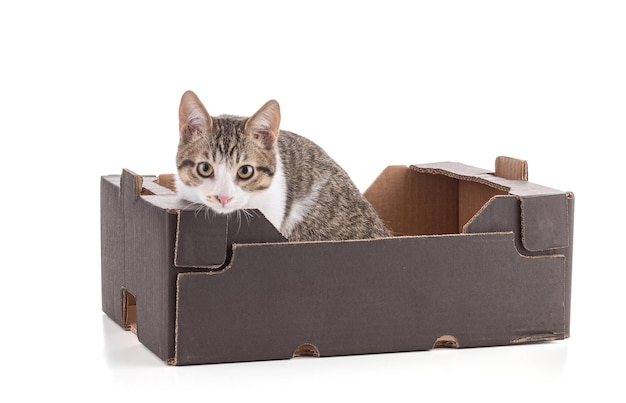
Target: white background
{"x":89,"y":88}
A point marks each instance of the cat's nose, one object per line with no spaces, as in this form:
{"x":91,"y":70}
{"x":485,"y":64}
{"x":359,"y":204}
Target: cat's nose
{"x":224,"y":199}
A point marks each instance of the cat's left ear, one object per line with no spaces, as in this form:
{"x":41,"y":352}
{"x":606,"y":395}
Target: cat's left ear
{"x":264,"y":124}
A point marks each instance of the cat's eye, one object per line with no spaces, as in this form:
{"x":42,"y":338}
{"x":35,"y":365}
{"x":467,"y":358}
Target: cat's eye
{"x":245,"y":172}
{"x":205,"y":169}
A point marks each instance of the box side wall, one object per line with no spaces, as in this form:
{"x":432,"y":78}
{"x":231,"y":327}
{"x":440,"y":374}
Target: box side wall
{"x":569,"y":268}
{"x":112,"y":243}
{"x":503,"y":214}
{"x":362,"y":297}
{"x":150,"y":272}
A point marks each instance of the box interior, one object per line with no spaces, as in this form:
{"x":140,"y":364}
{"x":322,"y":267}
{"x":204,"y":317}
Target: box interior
{"x":421,"y":203}
{"x":416,"y":203}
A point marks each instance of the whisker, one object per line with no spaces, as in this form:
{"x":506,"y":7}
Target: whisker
{"x":199,"y":208}
{"x":238,"y":220}
{"x":248,"y":215}
{"x":207,"y":212}
{"x":191,"y":205}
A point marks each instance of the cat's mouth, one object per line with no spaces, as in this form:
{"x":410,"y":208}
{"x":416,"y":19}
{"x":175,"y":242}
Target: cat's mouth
{"x":222,"y":204}
{"x":222,"y":210}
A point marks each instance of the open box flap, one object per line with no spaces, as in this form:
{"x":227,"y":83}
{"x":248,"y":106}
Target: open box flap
{"x":217,"y":233}
{"x":544,"y":211}
{"x":545,"y":222}
{"x":459,"y":171}
{"x":194,"y":229}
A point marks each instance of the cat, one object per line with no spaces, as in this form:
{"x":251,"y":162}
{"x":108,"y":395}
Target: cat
{"x":231,"y":163}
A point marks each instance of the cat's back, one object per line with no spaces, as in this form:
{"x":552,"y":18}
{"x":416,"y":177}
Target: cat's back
{"x":322,"y":201}
{"x":304,"y":158}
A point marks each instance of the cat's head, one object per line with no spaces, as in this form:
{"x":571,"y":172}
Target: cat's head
{"x":222,"y":161}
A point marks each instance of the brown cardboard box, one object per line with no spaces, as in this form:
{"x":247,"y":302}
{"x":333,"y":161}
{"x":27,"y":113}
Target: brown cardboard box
{"x":480,"y":259}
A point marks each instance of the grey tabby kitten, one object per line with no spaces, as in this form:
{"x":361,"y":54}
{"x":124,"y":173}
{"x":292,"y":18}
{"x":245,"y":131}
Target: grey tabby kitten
{"x":231,"y":163}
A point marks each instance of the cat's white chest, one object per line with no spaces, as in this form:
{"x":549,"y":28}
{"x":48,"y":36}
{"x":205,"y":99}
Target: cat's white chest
{"x":273,"y":200}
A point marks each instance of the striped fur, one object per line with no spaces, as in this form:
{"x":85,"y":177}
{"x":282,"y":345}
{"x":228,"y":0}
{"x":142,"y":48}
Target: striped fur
{"x":254,"y":165}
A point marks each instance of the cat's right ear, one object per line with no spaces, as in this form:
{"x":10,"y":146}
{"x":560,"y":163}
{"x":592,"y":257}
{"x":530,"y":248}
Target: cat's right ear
{"x":193,"y":119}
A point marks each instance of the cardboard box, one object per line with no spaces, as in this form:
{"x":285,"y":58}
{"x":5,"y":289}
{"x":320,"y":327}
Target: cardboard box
{"x":480,"y":259}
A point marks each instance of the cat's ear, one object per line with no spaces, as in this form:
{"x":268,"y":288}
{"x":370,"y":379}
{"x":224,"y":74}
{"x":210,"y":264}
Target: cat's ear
{"x":194,"y":121}
{"x":264,"y":124}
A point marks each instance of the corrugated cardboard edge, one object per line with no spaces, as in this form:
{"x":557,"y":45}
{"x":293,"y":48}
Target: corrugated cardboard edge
{"x":464,"y":172}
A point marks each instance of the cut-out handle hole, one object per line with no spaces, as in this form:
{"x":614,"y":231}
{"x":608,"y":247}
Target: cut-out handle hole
{"x":129,"y":311}
{"x":306,"y":350}
{"x":446,"y":341}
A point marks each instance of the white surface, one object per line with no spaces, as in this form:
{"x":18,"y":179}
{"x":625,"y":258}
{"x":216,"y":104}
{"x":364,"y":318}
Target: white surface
{"x":88,"y":88}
